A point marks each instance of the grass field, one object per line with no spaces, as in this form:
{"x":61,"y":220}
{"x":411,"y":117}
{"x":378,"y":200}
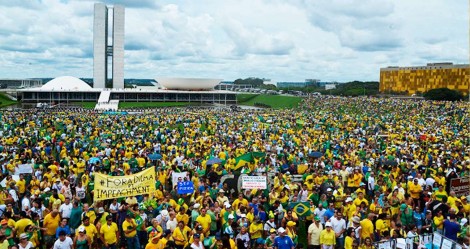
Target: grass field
{"x":86,"y":105}
{"x":124,"y":105}
{"x":151,"y":104}
{"x":5,"y":101}
{"x":275,"y":101}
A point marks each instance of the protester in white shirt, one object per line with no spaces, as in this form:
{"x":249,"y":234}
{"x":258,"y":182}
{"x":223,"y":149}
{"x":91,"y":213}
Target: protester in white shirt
{"x":66,"y":208}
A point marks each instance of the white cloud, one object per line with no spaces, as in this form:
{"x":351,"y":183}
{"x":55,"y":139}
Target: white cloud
{"x":336,"y":40}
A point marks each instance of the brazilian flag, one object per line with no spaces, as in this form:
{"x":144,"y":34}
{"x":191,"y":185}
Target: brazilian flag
{"x":243,"y":160}
{"x":247,"y":158}
{"x":261,"y":119}
{"x":302,"y":209}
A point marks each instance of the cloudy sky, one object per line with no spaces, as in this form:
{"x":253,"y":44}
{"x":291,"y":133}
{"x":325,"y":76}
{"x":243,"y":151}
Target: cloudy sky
{"x":289,"y":40}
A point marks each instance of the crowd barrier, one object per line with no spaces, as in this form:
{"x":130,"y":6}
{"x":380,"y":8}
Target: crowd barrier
{"x":428,"y":241}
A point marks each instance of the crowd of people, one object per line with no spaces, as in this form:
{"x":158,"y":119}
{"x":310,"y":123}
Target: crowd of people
{"x":371,"y":171}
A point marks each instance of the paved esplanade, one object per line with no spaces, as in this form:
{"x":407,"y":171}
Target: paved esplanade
{"x":370,"y":169}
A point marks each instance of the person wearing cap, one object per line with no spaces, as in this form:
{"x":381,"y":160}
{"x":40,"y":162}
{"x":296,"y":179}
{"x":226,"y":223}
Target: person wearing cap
{"x":50,"y":225}
{"x":197,"y":243}
{"x":465,"y":204}
{"x":356,"y":225}
{"x":163,"y":218}
{"x":228,"y":210}
{"x":283,"y":241}
{"x":313,"y":233}
{"x":350,"y":208}
{"x":81,"y":239}
{"x":270,"y":224}
{"x":24,"y":242}
{"x":270,"y":237}
{"x":8,"y":232}
{"x":63,"y":241}
{"x":221,"y":198}
{"x":129,"y":227}
{"x":227,"y":227}
{"x":195,"y":211}
{"x":327,"y":237}
{"x":90,"y":229}
{"x":197,"y":230}
{"x":290,"y":230}
{"x":109,"y":233}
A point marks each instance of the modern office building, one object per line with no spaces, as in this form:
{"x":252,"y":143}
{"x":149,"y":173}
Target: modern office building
{"x":306,"y":83}
{"x":102,"y":50}
{"x":412,"y":80}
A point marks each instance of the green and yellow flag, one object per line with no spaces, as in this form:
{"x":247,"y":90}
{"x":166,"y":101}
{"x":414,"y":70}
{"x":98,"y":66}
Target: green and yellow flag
{"x":302,"y":209}
{"x":243,"y":160}
{"x":247,"y":159}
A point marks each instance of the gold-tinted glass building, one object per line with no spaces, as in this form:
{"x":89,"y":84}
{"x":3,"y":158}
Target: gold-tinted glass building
{"x":413,"y":80}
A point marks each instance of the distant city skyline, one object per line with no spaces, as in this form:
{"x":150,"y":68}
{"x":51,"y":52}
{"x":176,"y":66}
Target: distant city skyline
{"x":330,"y":40}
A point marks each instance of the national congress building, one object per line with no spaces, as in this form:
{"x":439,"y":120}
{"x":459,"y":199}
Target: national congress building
{"x":412,"y":80}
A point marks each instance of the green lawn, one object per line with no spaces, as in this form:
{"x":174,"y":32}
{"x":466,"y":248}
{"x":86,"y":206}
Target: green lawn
{"x":5,"y":101}
{"x":86,"y":105}
{"x":275,"y":101}
{"x":151,"y":104}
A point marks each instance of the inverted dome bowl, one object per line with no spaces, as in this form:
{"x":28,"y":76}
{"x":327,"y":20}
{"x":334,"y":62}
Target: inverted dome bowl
{"x":192,"y":84}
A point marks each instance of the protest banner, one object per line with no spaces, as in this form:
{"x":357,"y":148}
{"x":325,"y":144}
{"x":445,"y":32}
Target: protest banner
{"x":176,"y":175}
{"x":3,"y":183}
{"x":461,"y":186}
{"x":24,"y":169}
{"x":110,"y":187}
{"x":186,"y":187}
{"x":254,"y":182}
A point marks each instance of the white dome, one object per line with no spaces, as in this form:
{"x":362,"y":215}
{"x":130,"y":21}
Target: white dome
{"x":188,"y":83}
{"x":66,"y":83}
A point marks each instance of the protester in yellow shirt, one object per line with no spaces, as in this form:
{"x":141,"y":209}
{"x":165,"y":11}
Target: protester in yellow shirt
{"x":50,"y":224}
{"x":205,"y":221}
{"x":328,"y":236}
{"x":439,"y":222}
{"x":415,"y":189}
{"x":256,"y":229}
{"x":90,"y":228}
{"x":239,"y":201}
{"x":21,"y":184}
{"x":109,"y":232}
{"x":181,"y":234}
{"x":129,"y":227}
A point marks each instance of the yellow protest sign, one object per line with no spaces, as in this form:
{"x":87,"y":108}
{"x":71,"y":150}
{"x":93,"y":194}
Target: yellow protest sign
{"x":109,"y":187}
